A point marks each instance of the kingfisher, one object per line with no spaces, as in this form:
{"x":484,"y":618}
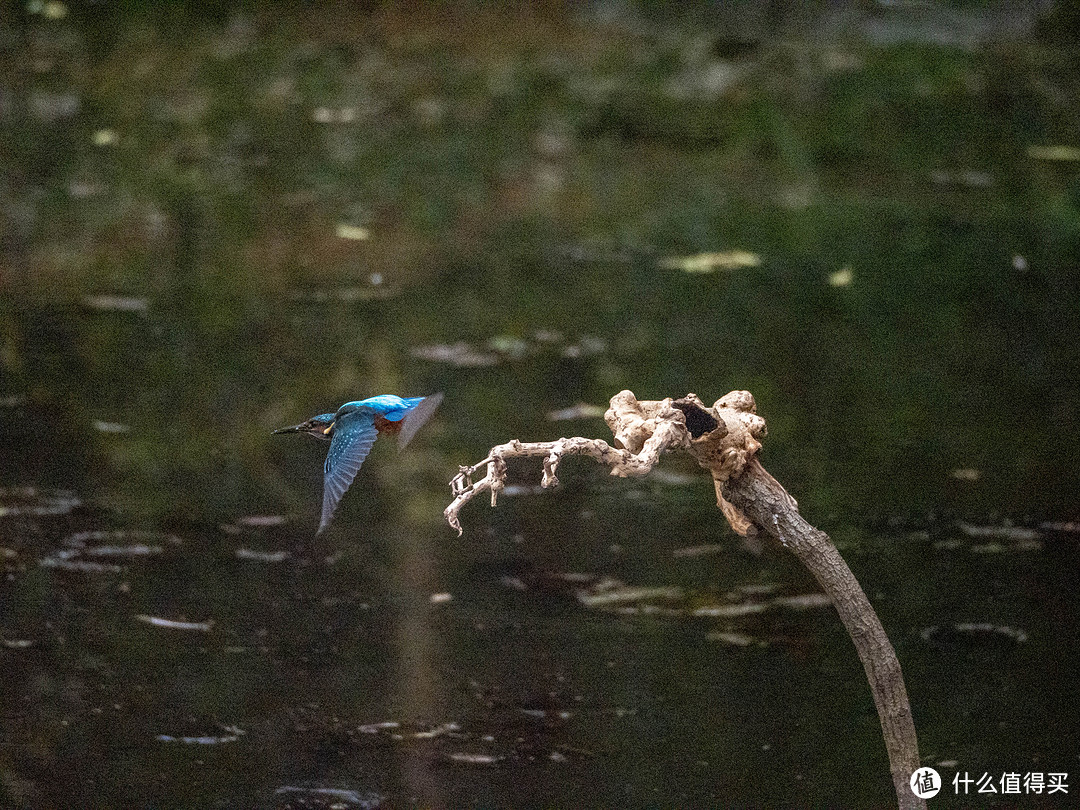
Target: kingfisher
{"x":352,"y":431}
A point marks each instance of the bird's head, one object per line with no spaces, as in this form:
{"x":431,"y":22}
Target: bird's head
{"x":321,"y":427}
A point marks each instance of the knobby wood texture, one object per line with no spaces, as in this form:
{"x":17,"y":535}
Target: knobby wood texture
{"x":725,"y":440}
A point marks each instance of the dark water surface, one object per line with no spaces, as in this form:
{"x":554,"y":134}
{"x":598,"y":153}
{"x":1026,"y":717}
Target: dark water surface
{"x":218,"y":223}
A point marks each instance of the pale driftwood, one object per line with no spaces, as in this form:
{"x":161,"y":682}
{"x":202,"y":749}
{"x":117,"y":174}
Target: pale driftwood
{"x":725,"y":439}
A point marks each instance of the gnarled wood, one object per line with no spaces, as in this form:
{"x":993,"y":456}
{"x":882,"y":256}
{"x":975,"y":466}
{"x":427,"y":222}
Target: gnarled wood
{"x":725,"y":440}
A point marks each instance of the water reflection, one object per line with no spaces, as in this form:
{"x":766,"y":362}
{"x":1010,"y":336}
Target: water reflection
{"x":341,"y":669}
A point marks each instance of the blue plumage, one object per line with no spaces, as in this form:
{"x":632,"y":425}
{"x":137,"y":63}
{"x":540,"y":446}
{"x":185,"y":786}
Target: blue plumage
{"x":352,"y":432}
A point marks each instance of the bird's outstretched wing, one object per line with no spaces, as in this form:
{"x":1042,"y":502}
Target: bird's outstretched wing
{"x":415,"y":419}
{"x":354,"y":434}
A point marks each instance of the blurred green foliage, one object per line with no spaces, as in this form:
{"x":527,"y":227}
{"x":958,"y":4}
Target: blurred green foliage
{"x":529,"y":170}
{"x":220,"y":218}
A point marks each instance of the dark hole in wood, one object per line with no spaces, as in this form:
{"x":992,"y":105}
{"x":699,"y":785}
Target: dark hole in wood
{"x":698,"y":420}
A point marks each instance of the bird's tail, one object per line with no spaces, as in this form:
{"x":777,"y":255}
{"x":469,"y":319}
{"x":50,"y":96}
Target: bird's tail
{"x":415,"y":419}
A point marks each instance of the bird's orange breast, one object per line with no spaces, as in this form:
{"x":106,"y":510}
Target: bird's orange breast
{"x":384,"y":425}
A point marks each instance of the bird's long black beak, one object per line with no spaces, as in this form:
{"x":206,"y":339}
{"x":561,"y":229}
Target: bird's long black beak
{"x":290,"y":429}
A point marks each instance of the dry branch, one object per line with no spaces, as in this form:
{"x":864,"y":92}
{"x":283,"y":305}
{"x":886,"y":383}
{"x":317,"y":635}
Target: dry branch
{"x":725,"y":439}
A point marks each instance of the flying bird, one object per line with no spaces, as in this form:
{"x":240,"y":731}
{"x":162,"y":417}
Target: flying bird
{"x":351,"y":433}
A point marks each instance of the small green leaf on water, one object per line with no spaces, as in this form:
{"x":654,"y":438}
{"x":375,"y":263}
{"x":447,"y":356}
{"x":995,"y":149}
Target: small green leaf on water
{"x":54,"y":10}
{"x":711,"y":262}
{"x":355,"y":232}
{"x":842,"y":277}
{"x":1059,"y":152}
{"x":105,"y":137}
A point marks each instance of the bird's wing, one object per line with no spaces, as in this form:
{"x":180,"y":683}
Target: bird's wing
{"x":354,"y":434}
{"x":415,"y":419}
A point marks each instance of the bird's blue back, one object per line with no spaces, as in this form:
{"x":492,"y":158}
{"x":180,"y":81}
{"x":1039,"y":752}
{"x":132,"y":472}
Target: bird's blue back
{"x":388,"y":406}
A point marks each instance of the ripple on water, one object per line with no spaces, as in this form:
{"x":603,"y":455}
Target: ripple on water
{"x":228,"y":734}
{"x":16,"y":501}
{"x":505,"y":348}
{"x":290,"y":797}
{"x":99,"y":552}
{"x":972,"y":634}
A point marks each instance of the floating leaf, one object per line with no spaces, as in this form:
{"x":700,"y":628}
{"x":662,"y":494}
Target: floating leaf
{"x":261,"y":521}
{"x":105,"y":137}
{"x":628,"y":594}
{"x":157,"y":621}
{"x":842,"y":277}
{"x":711,"y":262}
{"x":116,"y":303}
{"x":261,"y":556}
{"x":1059,"y":152}
{"x":355,"y":232}
{"x":111,"y":427}
{"x":54,"y":10}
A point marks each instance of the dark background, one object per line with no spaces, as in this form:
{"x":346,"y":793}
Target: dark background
{"x":219,"y":219}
